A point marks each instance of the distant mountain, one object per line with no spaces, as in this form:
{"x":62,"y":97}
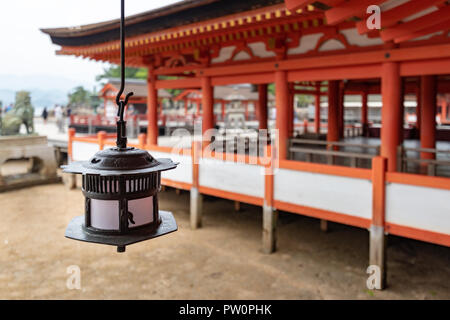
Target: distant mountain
{"x":46,"y":91}
{"x":7,"y":96}
{"x":39,"y":98}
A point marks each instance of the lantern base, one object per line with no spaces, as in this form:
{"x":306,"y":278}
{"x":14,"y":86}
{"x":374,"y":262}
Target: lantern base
{"x":75,"y":230}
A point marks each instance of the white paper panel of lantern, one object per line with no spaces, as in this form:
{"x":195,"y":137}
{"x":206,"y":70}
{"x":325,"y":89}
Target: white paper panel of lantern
{"x":142,"y":210}
{"x":105,"y":214}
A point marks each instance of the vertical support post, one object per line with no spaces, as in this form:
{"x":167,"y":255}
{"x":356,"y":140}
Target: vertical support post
{"x":291,"y":110}
{"x":428,"y":116}
{"x":341,"y":123}
{"x":245,"y":103}
{"x":262,"y":106}
{"x":270,"y":215}
{"x":317,"y":111}
{"x":152,"y":109}
{"x":161,"y":112}
{"x":71,"y":134}
{"x":196,"y":196}
{"x":377,"y":253}
{"x":142,"y":138}
{"x":444,"y":110}
{"x":418,"y":104}
{"x":333,"y":127}
{"x":401,"y":118}
{"x":207,"y":106}
{"x":364,"y":114}
{"x":333,"y":111}
{"x":222,"y":105}
{"x":323,"y":225}
{"x":72,"y":179}
{"x":101,"y":137}
{"x":282,"y":110}
{"x":390,"y":113}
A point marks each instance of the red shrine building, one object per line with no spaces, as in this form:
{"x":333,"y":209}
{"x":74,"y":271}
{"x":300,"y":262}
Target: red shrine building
{"x":105,"y":117}
{"x":384,"y":176}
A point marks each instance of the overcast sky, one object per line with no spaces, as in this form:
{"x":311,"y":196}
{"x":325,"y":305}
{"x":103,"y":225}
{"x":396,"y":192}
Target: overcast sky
{"x":25,"y":51}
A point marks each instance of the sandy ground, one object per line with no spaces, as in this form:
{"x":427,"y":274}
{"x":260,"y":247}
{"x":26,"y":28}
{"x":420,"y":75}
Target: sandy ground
{"x":220,"y":261}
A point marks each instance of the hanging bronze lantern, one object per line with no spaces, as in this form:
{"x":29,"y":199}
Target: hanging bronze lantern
{"x":121,"y":186}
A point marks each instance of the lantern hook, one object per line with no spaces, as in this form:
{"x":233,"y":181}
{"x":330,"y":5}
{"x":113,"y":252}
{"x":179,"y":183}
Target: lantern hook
{"x":121,"y":124}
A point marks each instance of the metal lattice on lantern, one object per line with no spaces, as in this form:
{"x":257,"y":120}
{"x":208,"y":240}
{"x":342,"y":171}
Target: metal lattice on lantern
{"x":121,"y":186}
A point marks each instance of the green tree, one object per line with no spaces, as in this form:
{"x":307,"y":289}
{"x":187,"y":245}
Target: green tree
{"x":80,"y":97}
{"x":114,"y":72}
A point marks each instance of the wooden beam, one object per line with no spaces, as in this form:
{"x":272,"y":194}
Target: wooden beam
{"x":336,"y":73}
{"x":430,"y":67}
{"x":293,"y":5}
{"x":426,"y":21}
{"x":178,"y":83}
{"x":391,"y":17}
{"x":352,"y":8}
{"x":439,"y":51}
{"x":420,"y":33}
{"x":261,"y":78}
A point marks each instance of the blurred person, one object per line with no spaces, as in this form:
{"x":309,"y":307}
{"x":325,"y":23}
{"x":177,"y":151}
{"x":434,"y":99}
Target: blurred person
{"x":45,"y":115}
{"x":68,"y":114}
{"x":59,"y":115}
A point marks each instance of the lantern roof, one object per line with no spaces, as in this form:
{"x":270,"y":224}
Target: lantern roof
{"x":116,"y":161}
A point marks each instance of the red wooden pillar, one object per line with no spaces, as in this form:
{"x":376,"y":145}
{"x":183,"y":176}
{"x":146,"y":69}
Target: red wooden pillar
{"x":261,"y":110}
{"x":317,"y":111}
{"x":428,"y":116}
{"x":402,"y":113}
{"x":377,"y":240}
{"x":197,"y":110}
{"x":161,"y":112}
{"x":444,"y":111}
{"x":291,"y":110}
{"x":152,"y":109}
{"x":222,"y":105}
{"x":207,"y":105}
{"x":418,"y":103}
{"x":390,"y":113}
{"x":364,"y":113}
{"x":333,"y":111}
{"x":341,"y":123}
{"x":282,"y":111}
{"x":245,"y":103}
